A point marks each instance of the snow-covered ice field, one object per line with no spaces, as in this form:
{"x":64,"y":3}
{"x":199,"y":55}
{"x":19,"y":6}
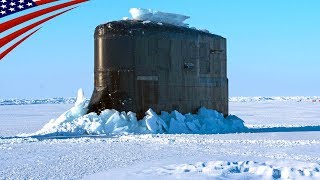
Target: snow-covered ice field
{"x":283,"y":141}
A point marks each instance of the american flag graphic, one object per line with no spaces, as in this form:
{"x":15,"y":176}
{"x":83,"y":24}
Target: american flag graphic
{"x":9,"y":7}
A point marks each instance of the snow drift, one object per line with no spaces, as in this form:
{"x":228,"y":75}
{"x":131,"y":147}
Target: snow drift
{"x":76,"y":122}
{"x":219,"y":170}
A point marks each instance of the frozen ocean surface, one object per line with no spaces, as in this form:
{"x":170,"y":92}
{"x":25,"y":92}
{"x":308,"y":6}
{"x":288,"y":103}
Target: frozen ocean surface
{"x":283,"y":141}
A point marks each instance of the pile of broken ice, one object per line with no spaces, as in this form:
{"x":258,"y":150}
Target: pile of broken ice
{"x":76,"y":122}
{"x":158,"y":16}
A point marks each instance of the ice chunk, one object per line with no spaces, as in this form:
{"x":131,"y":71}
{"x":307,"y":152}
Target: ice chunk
{"x":146,"y":22}
{"x":177,"y":127}
{"x":140,"y":13}
{"x":154,"y":123}
{"x":80,"y":98}
{"x":192,"y":126}
{"x":158,"y":16}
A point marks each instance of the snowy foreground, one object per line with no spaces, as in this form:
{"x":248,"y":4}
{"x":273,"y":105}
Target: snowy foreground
{"x":281,"y":139}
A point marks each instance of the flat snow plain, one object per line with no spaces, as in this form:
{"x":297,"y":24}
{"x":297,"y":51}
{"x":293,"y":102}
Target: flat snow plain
{"x":284,"y":143}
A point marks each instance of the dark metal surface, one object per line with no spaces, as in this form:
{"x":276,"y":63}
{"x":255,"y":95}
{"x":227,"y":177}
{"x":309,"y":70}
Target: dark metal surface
{"x":164,"y":67}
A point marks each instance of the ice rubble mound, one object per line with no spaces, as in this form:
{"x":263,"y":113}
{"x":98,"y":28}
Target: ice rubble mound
{"x":158,"y":16}
{"x":76,"y":122}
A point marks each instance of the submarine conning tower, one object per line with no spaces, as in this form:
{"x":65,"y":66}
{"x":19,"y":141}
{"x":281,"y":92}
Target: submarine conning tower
{"x":141,"y":64}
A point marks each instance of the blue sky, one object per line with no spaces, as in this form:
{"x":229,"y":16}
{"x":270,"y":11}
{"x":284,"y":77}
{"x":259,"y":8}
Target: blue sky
{"x":273,"y":46}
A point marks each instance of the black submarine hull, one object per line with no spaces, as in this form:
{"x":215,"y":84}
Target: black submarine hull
{"x":140,"y":65}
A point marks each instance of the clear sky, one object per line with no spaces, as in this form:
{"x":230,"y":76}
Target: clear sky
{"x":273,"y":46}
